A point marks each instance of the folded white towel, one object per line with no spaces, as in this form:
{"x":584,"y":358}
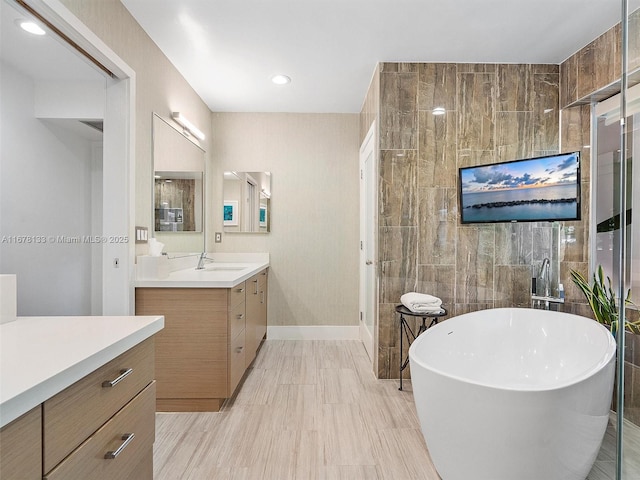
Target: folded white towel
{"x":421,"y":302}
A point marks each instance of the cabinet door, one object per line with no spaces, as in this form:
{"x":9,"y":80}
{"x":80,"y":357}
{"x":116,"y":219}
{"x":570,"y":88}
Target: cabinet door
{"x":253,"y":315}
{"x":191,"y":350}
{"x":21,"y":447}
{"x":261,"y":321}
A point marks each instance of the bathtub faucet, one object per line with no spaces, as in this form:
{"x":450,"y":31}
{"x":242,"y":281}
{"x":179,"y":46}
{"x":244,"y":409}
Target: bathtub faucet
{"x":544,"y":275}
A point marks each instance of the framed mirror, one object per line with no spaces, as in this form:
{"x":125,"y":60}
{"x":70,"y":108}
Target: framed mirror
{"x":247,"y":202}
{"x":178,"y":192}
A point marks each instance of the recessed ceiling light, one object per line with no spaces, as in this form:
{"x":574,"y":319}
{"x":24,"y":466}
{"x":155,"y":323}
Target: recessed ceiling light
{"x":280,"y":79}
{"x":438,"y":111}
{"x":30,"y":27}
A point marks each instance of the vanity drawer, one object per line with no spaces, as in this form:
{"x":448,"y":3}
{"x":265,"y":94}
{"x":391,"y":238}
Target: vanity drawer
{"x":89,"y":460}
{"x":236,"y":294}
{"x":236,"y":361}
{"x":78,"y":411}
{"x":237,"y":319}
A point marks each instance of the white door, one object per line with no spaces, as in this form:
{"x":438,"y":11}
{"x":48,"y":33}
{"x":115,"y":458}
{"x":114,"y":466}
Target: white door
{"x":368,"y":253}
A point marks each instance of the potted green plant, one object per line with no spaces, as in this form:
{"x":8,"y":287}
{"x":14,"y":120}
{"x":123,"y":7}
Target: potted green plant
{"x":603,"y":301}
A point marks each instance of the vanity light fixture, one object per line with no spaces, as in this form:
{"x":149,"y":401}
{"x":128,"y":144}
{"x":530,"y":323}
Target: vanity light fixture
{"x":189,"y":127}
{"x":31,"y":27}
{"x":438,"y":111}
{"x":280,"y":79}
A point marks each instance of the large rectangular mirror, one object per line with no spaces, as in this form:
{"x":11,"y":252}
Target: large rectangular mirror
{"x":247,"y":202}
{"x":178,"y":180}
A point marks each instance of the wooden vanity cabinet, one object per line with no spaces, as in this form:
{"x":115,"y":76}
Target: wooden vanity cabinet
{"x":84,"y":422}
{"x":209,"y":339}
{"x":21,"y":447}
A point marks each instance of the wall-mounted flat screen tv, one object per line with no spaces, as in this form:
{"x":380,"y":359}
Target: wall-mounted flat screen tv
{"x":527,"y":190}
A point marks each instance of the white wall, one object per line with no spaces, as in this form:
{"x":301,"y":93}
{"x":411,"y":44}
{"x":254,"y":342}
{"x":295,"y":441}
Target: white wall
{"x":45,"y":191}
{"x":314,"y":238}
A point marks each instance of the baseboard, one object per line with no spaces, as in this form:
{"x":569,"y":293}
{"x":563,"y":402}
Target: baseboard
{"x":313,"y":332}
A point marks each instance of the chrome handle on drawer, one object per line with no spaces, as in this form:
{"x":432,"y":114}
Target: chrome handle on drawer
{"x":256,"y":282}
{"x":239,"y":349}
{"x":127,"y":437}
{"x":123,"y":374}
{"x":262,"y":298}
{"x":240,"y":316}
{"x":240,"y":290}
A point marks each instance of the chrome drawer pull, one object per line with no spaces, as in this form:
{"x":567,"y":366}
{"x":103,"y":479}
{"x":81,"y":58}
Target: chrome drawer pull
{"x":113,"y":383}
{"x":127,"y":437}
{"x":240,"y":290}
{"x":239,"y":349}
{"x":240,"y":316}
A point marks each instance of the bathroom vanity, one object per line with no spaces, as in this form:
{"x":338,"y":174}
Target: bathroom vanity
{"x":215,"y":319}
{"x":77,"y":397}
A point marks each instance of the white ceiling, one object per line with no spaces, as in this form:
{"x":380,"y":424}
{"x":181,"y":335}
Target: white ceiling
{"x":228,"y":49}
{"x":44,"y":57}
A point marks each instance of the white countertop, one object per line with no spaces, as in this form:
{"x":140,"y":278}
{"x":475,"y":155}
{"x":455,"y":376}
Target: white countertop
{"x":215,"y":275}
{"x":41,"y":356}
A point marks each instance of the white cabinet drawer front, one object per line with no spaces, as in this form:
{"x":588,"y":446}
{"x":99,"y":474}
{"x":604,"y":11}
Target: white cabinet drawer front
{"x":128,"y":437}
{"x":78,"y":411}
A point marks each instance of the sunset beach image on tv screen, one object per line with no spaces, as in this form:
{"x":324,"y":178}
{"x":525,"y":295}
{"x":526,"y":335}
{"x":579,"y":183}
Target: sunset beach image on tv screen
{"x":528,"y":190}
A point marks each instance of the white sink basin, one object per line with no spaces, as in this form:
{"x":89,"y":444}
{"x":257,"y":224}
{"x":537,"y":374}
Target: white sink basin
{"x":217,"y":268}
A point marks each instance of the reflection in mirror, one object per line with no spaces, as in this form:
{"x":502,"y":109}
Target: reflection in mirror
{"x":247,"y":202}
{"x":178,"y":201}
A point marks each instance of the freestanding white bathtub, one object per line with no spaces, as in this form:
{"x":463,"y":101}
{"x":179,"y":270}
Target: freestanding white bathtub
{"x":513,"y":394}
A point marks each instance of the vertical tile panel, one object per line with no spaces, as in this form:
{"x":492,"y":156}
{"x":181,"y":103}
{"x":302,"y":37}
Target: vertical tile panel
{"x":607,"y":57}
{"x":371,"y":105}
{"x":474,"y":265}
{"x":634,"y":41}
{"x":513,"y":286}
{"x":397,"y":262}
{"x":515,"y":88}
{"x":437,"y":222}
{"x":437,"y":149}
{"x":398,"y":110}
{"x":437,"y":86}
{"x":586,"y":70}
{"x":476,"y":100}
{"x":546,"y":111}
{"x":514,"y":243}
{"x":398,"y":185}
{"x":438,"y":280}
{"x":569,"y":81}
{"x":514,"y":135}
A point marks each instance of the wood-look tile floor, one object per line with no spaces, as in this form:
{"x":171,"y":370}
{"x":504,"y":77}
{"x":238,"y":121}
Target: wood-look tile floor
{"x":311,"y":410}
{"x":306,"y":410}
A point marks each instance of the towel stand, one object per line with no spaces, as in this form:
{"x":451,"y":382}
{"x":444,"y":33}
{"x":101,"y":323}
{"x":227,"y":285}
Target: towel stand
{"x":407,"y":332}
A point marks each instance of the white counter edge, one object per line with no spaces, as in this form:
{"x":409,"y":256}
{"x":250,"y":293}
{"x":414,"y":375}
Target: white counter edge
{"x":21,"y":403}
{"x":172,"y":282}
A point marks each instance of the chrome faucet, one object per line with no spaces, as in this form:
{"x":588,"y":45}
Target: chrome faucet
{"x":544,"y":275}
{"x":203,"y":258}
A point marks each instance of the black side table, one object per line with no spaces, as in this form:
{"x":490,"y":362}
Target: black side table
{"x":405,"y":330}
